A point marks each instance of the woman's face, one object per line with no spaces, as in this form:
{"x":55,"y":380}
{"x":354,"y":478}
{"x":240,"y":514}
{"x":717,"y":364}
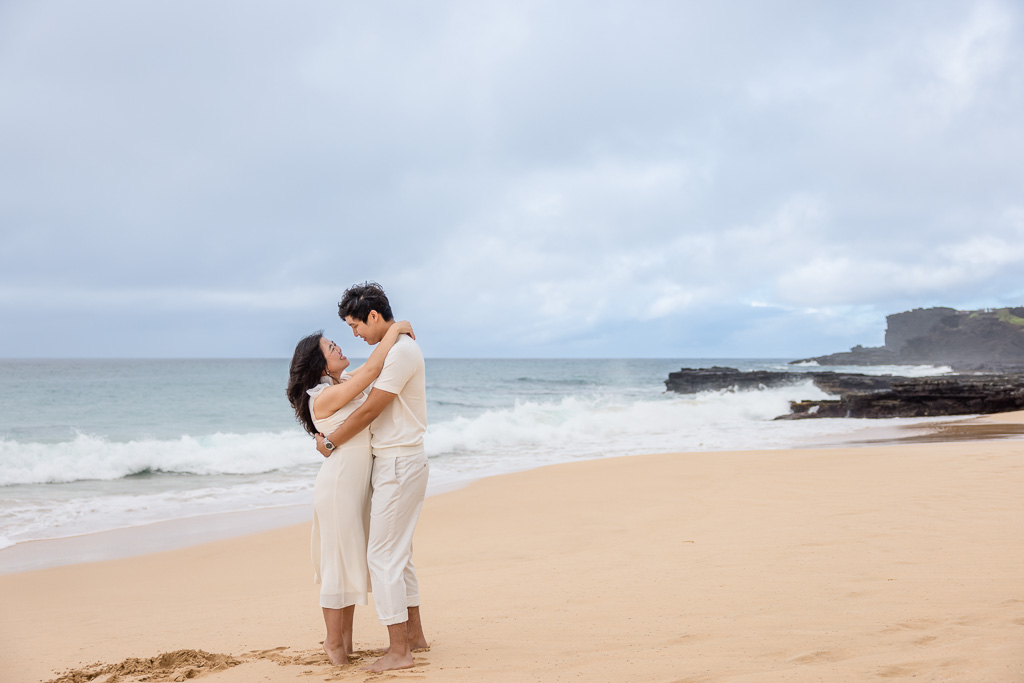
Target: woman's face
{"x":336,"y":361}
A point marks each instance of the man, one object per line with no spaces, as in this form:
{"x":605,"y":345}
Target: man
{"x":396,"y":412}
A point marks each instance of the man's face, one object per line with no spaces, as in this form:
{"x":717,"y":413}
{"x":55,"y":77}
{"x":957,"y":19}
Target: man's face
{"x":371,"y":331}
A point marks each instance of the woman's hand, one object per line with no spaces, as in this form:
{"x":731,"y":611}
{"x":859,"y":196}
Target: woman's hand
{"x":375,"y":363}
{"x":403,"y":327}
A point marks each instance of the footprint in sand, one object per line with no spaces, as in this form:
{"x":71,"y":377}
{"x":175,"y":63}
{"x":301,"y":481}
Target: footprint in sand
{"x":819,"y":656}
{"x":280,"y":655}
{"x":305,"y":658}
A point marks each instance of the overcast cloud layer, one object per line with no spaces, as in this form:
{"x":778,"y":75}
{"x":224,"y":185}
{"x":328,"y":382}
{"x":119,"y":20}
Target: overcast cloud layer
{"x":598,"y":179}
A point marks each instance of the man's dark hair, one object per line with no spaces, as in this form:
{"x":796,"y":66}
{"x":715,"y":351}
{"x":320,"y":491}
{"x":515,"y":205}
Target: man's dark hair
{"x":359,"y":300}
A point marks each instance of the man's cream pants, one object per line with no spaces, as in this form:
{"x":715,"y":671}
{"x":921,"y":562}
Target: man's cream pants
{"x":399,"y":485}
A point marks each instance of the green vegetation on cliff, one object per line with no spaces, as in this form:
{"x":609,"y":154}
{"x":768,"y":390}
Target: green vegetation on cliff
{"x":1007,"y":316}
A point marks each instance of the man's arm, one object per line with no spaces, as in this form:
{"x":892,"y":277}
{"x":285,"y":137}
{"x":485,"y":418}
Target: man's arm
{"x":359,"y":420}
{"x":334,"y":397}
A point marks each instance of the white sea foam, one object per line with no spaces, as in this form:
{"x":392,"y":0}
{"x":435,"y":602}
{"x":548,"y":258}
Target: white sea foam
{"x":99,"y":484}
{"x":605,"y":423}
{"x":899,"y":370}
{"x":33,"y":520}
{"x":90,"y":457}
{"x":532,"y":434}
{"x":572,"y":426}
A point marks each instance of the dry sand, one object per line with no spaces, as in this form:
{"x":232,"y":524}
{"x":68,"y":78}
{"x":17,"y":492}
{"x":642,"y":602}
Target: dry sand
{"x":844,"y":564}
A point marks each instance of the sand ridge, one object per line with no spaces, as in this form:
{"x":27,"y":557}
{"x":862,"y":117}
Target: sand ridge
{"x":179,"y":665}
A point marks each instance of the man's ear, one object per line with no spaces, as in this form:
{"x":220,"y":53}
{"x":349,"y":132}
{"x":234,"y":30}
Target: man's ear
{"x":373,"y":317}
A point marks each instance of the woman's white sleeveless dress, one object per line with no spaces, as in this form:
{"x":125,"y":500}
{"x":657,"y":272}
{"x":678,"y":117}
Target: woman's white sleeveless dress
{"x":341,"y":512}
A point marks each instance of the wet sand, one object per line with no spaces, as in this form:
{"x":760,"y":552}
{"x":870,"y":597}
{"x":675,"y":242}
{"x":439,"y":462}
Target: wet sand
{"x":965,"y":429}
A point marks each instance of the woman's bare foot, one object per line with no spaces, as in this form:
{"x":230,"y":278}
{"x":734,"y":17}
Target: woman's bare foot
{"x":390,"y":662}
{"x":338,"y":643}
{"x":338,"y":655}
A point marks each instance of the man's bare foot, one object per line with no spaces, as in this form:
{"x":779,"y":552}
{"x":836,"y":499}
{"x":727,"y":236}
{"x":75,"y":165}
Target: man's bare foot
{"x":337,"y":655}
{"x":390,"y":662}
{"x":417,"y":644}
{"x":417,"y":641}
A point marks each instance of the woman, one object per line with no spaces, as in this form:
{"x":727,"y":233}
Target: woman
{"x":323,"y":395}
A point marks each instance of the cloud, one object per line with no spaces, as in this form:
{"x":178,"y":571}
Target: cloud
{"x":525,"y":178}
{"x":968,"y":58}
{"x":164,"y":300}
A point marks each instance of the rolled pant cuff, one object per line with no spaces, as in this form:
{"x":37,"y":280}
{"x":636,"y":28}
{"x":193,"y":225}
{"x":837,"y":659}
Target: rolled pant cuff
{"x":397,"y":619}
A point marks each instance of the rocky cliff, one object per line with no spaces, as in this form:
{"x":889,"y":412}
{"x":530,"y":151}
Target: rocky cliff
{"x":966,"y":340}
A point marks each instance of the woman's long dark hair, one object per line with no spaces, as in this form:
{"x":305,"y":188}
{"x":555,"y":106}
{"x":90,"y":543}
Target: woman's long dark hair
{"x":308,"y":366}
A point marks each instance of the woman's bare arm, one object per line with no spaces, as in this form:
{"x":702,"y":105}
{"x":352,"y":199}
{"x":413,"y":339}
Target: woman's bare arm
{"x":334,"y":397}
{"x":375,"y":363}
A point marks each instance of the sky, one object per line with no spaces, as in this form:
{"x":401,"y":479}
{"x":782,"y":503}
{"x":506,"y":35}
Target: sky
{"x":591,"y":179}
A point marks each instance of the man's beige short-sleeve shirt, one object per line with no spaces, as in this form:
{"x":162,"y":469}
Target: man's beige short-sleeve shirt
{"x":399,"y":429}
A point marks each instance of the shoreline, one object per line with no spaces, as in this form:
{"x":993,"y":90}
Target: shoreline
{"x":184,"y":532}
{"x":899,"y":561}
{"x":1009,"y":425}
{"x":155,"y":537}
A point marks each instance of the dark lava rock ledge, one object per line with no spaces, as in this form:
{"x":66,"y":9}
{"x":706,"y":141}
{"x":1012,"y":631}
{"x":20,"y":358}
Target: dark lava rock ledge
{"x":869,"y":396}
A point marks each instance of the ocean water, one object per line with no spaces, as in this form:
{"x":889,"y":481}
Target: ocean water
{"x":93,"y":445}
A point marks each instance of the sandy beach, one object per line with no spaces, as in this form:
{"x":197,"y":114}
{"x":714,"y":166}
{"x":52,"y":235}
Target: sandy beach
{"x":900,"y":561}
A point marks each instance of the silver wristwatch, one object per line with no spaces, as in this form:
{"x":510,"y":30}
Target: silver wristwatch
{"x":328,"y":444}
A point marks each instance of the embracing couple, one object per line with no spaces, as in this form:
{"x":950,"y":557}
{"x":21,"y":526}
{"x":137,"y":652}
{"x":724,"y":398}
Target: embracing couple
{"x":370,"y":488}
